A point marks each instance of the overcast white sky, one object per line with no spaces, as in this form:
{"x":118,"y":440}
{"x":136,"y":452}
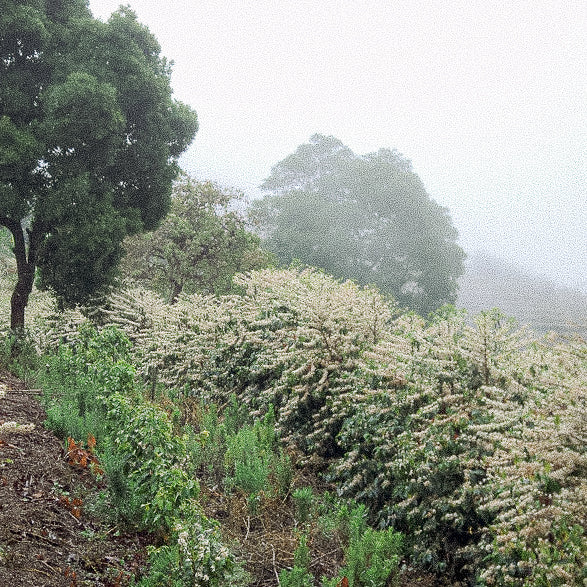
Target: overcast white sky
{"x":488,"y":99}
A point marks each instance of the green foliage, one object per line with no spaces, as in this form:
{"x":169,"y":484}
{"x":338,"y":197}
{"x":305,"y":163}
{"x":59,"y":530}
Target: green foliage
{"x":121,"y":502}
{"x":247,"y":462}
{"x":153,"y":458}
{"x":299,"y":575}
{"x":366,"y":218}
{"x":77,"y":376}
{"x":283,"y":473}
{"x":468,"y":437}
{"x":90,"y":140}
{"x":372,"y":557}
{"x":200,"y":245}
{"x":90,"y":389}
{"x":18,"y":355}
{"x":303,"y":498}
{"x":208,"y":446}
{"x":250,"y":454}
{"x":195,"y":555}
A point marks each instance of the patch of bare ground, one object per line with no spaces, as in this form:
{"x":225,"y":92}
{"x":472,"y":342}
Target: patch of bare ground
{"x":46,"y":536}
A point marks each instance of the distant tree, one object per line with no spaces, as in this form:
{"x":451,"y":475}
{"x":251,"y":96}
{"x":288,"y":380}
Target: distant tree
{"x":366,"y":218}
{"x":200,"y":245}
{"x":89,"y":138}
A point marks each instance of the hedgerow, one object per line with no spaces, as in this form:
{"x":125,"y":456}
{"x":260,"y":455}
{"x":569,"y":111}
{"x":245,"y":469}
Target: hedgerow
{"x":467,"y":435}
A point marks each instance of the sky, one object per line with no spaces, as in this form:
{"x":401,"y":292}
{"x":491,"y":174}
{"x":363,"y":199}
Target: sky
{"x":487,"y":99}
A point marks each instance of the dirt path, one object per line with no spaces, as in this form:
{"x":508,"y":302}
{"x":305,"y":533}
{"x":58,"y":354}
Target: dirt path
{"x":46,"y":539}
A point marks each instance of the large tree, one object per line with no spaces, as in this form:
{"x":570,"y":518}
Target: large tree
{"x":89,"y":139}
{"x":366,"y":218}
{"x":201,"y":244}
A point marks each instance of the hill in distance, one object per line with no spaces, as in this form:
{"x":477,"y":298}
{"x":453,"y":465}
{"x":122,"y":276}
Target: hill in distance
{"x":540,"y":304}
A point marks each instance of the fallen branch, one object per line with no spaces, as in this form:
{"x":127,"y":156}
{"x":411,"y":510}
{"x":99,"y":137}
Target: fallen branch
{"x":274,"y":567}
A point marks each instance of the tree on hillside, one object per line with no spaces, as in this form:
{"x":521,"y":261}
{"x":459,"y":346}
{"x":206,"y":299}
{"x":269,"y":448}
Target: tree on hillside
{"x":200,"y":245}
{"x":89,"y":139}
{"x":366,"y":218}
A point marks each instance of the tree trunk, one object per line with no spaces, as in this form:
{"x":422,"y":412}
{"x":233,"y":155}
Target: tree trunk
{"x":26,"y":266}
{"x":176,"y":289}
{"x":20,"y":298}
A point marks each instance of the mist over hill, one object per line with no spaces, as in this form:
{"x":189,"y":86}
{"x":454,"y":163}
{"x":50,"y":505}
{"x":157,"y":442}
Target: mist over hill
{"x":542,"y":305}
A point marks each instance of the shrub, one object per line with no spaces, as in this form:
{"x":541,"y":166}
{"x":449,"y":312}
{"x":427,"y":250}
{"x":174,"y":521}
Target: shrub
{"x":153,"y":459}
{"x":372,"y":557}
{"x":467,"y":436}
{"x":299,"y":575}
{"x":304,"y":501}
{"x":247,"y":462}
{"x":195,"y":555}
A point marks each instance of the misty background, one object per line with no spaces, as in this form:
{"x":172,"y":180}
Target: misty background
{"x":487,"y":99}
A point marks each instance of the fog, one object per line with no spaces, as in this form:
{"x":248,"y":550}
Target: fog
{"x":488,"y":100}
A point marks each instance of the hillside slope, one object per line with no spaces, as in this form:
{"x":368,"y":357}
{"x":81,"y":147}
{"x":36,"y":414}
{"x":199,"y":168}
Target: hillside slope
{"x":46,"y":535}
{"x":490,"y":283}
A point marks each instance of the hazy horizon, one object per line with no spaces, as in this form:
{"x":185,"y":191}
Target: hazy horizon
{"x":487,"y":100}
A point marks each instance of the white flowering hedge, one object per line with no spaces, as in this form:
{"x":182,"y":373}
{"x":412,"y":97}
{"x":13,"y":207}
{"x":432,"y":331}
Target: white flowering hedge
{"x":469,"y":437}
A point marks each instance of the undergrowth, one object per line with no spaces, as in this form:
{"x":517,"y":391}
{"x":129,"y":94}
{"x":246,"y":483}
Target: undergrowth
{"x":463,"y":440}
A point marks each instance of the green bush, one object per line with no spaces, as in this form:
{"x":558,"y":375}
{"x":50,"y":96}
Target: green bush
{"x":19,"y":356}
{"x":304,"y":502}
{"x":299,"y":575}
{"x":372,"y":557}
{"x":207,"y":442}
{"x":247,"y":462}
{"x":283,"y":473}
{"x":153,"y":458}
{"x":194,"y":555}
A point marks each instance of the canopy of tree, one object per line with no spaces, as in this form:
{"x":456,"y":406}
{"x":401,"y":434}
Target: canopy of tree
{"x":89,"y":138}
{"x":367,"y":218}
{"x":200,"y":245}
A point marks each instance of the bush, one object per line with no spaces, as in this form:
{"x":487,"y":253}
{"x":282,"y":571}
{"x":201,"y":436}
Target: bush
{"x":467,"y":436}
{"x":304,"y":502}
{"x":299,"y":575}
{"x":195,"y":555}
{"x":247,"y":462}
{"x":78,"y":375}
{"x":19,"y":356}
{"x":372,"y":557}
{"x":153,"y":459}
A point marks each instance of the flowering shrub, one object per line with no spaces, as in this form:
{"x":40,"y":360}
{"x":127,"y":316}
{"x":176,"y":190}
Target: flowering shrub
{"x":194,"y":555}
{"x":468,"y":436}
{"x":538,"y":480}
{"x":294,"y":340}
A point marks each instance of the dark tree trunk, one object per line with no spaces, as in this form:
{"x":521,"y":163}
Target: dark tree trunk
{"x":176,"y":289}
{"x":20,"y":298}
{"x":26,"y":262}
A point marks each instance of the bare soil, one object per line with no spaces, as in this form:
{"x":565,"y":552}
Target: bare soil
{"x":46,"y":536}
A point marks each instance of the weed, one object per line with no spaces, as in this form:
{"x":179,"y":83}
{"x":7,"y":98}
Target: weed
{"x":304,"y":501}
{"x":299,"y":575}
{"x":372,"y":556}
{"x":283,"y":472}
{"x":247,"y":462}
